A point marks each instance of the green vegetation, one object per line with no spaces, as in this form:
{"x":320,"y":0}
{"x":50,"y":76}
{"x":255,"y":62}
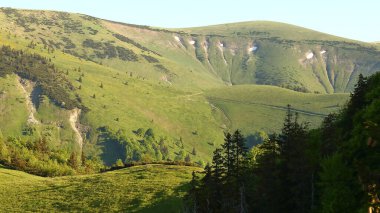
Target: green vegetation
{"x":253,"y":108}
{"x":126,"y":77}
{"x":146,"y":147}
{"x":330,"y":169}
{"x":80,"y":95}
{"x":150,"y":188}
{"x":37,"y":69}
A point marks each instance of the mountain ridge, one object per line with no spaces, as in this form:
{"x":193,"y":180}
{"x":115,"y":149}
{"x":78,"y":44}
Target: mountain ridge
{"x":152,"y":88}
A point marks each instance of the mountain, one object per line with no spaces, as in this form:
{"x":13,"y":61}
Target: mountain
{"x":99,"y":91}
{"x":268,"y":53}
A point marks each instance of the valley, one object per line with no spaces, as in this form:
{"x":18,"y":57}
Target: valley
{"x":99,"y":115}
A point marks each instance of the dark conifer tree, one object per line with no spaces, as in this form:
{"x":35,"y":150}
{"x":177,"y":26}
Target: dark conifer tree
{"x":240,"y":151}
{"x":295,"y":171}
{"x":267,"y":188}
{"x":229,"y":153}
{"x":217,"y":173}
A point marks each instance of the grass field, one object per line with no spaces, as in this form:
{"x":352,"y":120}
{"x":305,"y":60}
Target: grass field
{"x":150,"y":188}
{"x":254,"y":108}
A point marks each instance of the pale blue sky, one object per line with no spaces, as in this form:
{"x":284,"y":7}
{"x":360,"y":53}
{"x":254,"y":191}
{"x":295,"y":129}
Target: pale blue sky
{"x":358,"y":20}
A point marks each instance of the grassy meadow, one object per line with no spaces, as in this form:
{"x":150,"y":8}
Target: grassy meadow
{"x":252,"y":108}
{"x":149,"y":188}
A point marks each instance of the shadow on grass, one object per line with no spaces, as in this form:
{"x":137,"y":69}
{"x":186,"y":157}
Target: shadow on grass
{"x":72,"y":195}
{"x":168,"y":203}
{"x":112,"y":150}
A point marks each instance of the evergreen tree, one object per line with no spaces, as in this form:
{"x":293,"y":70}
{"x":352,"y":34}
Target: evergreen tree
{"x":217,"y":173}
{"x":73,"y":160}
{"x":194,"y":152}
{"x":240,"y":152}
{"x":83,"y":158}
{"x":267,"y":188}
{"x":295,"y":170}
{"x":229,"y":153}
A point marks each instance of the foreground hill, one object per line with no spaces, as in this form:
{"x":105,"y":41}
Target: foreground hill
{"x":150,"y":188}
{"x":101,"y":91}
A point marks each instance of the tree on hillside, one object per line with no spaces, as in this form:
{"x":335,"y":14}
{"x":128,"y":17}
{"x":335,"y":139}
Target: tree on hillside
{"x":296,"y":171}
{"x":194,"y":152}
{"x":240,"y":152}
{"x":217,"y":174}
{"x":73,"y":160}
{"x":187,"y":158}
{"x":180,"y":156}
{"x":229,"y":153}
{"x":119,"y":163}
{"x":139,"y":132}
{"x":267,"y":188}
{"x":149,"y":133}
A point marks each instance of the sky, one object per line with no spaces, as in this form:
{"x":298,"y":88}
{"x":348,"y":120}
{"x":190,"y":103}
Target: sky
{"x":359,"y":20}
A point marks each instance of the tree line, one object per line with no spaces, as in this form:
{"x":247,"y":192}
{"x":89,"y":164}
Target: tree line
{"x":334,"y":168}
{"x":38,"y":69}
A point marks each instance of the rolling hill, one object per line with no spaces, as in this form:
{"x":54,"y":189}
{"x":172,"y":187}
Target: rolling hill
{"x":114,"y":91}
{"x":150,"y":188}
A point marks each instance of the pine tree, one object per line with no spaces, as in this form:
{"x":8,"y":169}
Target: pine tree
{"x":229,"y":153}
{"x":240,"y":151}
{"x":193,"y":192}
{"x":267,"y":186}
{"x":194,"y":152}
{"x":83,"y":158}
{"x":187,"y":158}
{"x":295,"y":170}
{"x":73,"y":160}
{"x":217,"y":174}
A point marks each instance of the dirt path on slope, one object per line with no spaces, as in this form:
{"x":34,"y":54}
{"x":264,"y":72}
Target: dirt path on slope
{"x":300,"y":111}
{"x":74,"y":116}
{"x":190,"y":95}
{"x":23,"y":85}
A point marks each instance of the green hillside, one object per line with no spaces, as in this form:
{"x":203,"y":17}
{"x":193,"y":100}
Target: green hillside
{"x":99,"y":91}
{"x":264,"y":53}
{"x":150,"y":188}
{"x":253,"y":108}
{"x":263,"y":29}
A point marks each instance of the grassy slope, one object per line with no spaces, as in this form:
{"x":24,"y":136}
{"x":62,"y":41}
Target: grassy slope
{"x":151,"y":188}
{"x":267,"y":28}
{"x":142,"y":103}
{"x":255,"y":108}
{"x":11,"y":98}
{"x":175,"y":110}
{"x":279,"y":60}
